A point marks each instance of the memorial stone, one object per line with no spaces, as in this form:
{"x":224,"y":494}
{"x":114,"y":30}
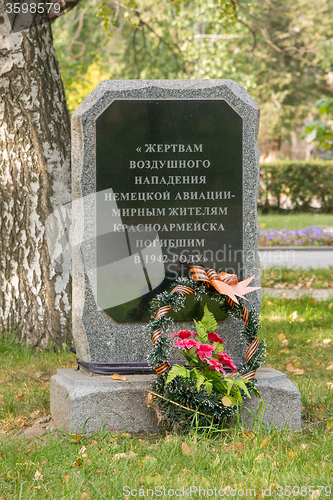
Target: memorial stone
{"x":165,"y":175}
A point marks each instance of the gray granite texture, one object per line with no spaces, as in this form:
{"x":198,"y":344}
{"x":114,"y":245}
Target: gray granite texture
{"x":282,"y":402}
{"x":97,"y":337}
{"x":77,"y":398}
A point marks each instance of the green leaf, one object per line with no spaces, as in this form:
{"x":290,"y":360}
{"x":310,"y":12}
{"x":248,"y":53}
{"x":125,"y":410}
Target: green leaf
{"x":208,"y":386}
{"x":201,"y":380}
{"x":201,"y":331}
{"x":241,"y":383}
{"x":178,"y":370}
{"x":208,"y":321}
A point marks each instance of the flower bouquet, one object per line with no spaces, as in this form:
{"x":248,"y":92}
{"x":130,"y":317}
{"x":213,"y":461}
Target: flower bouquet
{"x":207,"y":362}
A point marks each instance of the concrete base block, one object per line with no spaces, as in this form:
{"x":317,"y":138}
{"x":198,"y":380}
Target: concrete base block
{"x":282,"y":402}
{"x":78,"y":400}
{"x":119,"y":405}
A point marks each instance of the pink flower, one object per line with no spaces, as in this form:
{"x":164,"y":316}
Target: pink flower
{"x":185,"y":344}
{"x":183,"y":334}
{"x":205,"y":351}
{"x":215,"y":365}
{"x":213,"y":337}
{"x":227,"y":360}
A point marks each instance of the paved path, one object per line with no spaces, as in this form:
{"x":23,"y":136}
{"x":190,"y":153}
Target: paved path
{"x":296,"y":257}
{"x":319,"y":293}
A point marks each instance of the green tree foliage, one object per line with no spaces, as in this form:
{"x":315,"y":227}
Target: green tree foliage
{"x":323,"y":129}
{"x":276,"y":49}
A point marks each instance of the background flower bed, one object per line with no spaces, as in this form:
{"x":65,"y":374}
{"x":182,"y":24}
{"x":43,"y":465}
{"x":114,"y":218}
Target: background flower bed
{"x":310,"y":236}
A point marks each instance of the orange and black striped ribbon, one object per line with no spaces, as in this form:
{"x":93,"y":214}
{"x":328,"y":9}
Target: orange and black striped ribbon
{"x":252,"y":349}
{"x":249,"y":375}
{"x":162,"y":368}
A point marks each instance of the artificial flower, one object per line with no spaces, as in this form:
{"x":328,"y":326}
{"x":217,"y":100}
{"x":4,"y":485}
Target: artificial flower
{"x":227,"y":360}
{"x":204,"y":351}
{"x":183,"y":334}
{"x":185,"y":344}
{"x":215,"y":365}
{"x":214,"y":337}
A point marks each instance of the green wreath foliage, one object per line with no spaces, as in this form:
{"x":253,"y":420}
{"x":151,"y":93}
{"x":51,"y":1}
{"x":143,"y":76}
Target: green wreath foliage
{"x":179,"y":403}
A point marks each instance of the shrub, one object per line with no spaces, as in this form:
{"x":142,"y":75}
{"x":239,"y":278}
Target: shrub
{"x":300,"y":184}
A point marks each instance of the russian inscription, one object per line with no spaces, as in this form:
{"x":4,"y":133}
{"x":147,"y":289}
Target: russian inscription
{"x":162,"y":223}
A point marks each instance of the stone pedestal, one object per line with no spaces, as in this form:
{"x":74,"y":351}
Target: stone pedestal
{"x":282,"y":402}
{"x":78,"y":400}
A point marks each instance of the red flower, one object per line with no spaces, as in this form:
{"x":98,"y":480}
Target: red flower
{"x":227,"y":360}
{"x":204,"y":351}
{"x":183,"y":334}
{"x":215,"y":365}
{"x":185,"y":343}
{"x":213,"y":337}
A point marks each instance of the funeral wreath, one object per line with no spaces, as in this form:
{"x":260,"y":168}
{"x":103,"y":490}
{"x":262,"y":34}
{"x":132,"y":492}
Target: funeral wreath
{"x":208,"y":388}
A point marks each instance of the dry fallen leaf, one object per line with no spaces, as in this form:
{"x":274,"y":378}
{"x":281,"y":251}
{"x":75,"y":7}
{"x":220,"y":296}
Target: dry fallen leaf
{"x":330,"y":367}
{"x":82,"y":451}
{"x":290,"y":367}
{"x":264,"y":442}
{"x":330,"y":305}
{"x":131,"y":454}
{"x":20,"y":397}
{"x":77,"y":437}
{"x":299,"y":371}
{"x":293,"y":316}
{"x":285,"y":342}
{"x":284,"y":351}
{"x":226,"y":401}
{"x":38,"y":476}
{"x":261,"y":457}
{"x":115,"y":376}
{"x":329,"y":385}
{"x":327,"y":341}
{"x":237,"y":445}
{"x":298,"y":364}
{"x":282,"y":336}
{"x":291,"y":454}
{"x":269,"y":303}
{"x":149,"y":399}
{"x":186,"y":449}
{"x":85,"y":496}
{"x":66,"y":478}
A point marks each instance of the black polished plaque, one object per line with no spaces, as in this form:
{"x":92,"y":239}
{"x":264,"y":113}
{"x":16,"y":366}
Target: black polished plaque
{"x":169,"y":184}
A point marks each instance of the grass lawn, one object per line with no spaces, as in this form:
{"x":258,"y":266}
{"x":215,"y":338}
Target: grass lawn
{"x":237,"y":460}
{"x":294,"y":221}
{"x":284,"y":277}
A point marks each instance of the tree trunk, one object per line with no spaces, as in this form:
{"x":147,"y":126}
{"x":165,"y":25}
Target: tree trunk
{"x":35,"y":295}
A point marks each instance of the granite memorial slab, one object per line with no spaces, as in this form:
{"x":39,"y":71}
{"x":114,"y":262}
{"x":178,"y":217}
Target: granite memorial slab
{"x":165,"y":174}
